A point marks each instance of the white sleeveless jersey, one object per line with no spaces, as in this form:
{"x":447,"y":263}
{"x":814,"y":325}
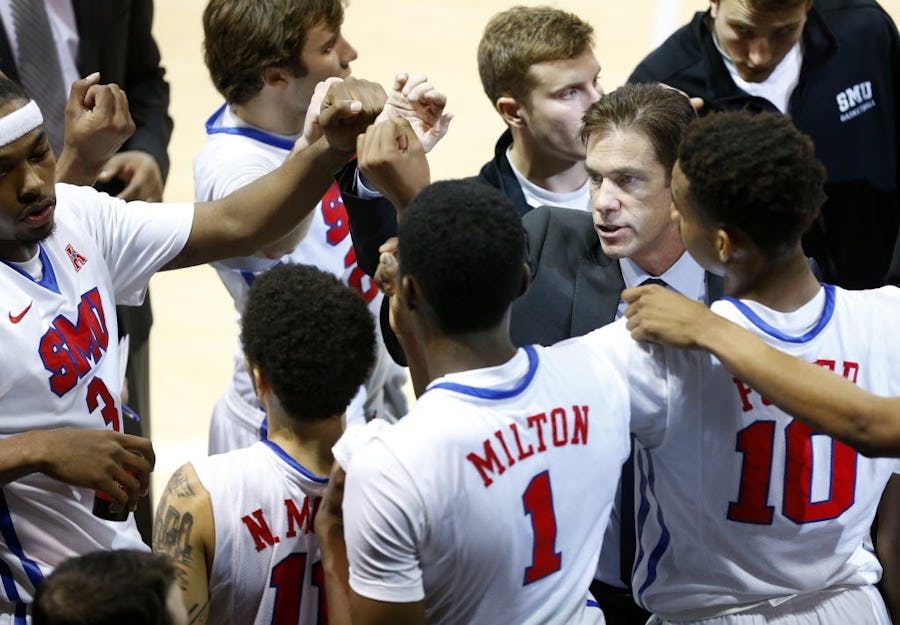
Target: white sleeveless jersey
{"x":235,"y":155}
{"x":489,"y":500}
{"x":266,"y":567}
{"x":62,"y":367}
{"x":740,"y":504}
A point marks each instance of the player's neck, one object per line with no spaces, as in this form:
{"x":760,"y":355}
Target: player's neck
{"x":443,"y":354}
{"x":783,"y":285}
{"x":18,"y":252}
{"x":307,"y":442}
{"x":266,"y":112}
{"x":557,"y":175}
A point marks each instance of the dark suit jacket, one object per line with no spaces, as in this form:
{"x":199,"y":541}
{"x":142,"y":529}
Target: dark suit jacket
{"x":575,"y":287}
{"x":115,"y":39}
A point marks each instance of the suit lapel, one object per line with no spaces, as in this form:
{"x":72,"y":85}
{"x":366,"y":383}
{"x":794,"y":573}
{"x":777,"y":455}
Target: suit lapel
{"x":598,"y":286}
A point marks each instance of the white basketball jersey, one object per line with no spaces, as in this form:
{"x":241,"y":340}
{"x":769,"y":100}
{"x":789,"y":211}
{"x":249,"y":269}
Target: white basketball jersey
{"x":235,"y":155}
{"x":62,"y":367}
{"x":740,"y":504}
{"x":490,"y":498}
{"x":266,"y":568}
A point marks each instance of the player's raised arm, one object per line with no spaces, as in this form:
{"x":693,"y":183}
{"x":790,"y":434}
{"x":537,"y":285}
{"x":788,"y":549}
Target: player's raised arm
{"x":822,"y":399}
{"x":184,"y":530}
{"x":265,"y":210}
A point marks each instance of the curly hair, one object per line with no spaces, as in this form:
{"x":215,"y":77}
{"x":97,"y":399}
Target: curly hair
{"x":241,"y":38}
{"x":520,"y":37}
{"x":107,"y":588}
{"x":312,"y":338}
{"x":756,"y":173}
{"x":660,"y":113}
{"x":464,"y":244}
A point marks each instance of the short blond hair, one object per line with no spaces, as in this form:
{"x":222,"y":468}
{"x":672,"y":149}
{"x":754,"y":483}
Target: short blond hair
{"x":520,"y":37}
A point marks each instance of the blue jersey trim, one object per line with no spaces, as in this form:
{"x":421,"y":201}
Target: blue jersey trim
{"x":827,"y":312}
{"x":491,"y":393}
{"x":664,"y":536}
{"x":591,"y":603}
{"x":48,"y":279}
{"x":264,"y":429}
{"x":12,"y":543}
{"x":250,"y":133}
{"x":299,"y":468}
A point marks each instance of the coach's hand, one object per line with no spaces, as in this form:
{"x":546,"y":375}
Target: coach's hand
{"x":114,"y":463}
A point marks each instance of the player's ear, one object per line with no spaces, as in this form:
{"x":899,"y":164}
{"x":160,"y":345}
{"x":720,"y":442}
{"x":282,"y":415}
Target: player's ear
{"x":409,"y":292}
{"x":526,"y":279}
{"x":260,"y":384}
{"x":724,"y":245}
{"x":509,"y":110}
{"x":275,"y":77}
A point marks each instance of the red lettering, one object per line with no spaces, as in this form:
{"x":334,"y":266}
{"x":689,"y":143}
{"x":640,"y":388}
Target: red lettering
{"x":490,"y":463}
{"x":259,"y":530}
{"x":522,"y":453}
{"x":335,"y":215}
{"x":58,"y":361}
{"x":580,"y":427}
{"x":499,"y":435}
{"x":539,"y":420}
{"x":851,"y":371}
{"x":560,"y":433}
{"x":303,"y":519}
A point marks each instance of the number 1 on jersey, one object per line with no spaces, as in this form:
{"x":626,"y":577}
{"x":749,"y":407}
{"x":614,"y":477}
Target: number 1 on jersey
{"x":538,"y":503}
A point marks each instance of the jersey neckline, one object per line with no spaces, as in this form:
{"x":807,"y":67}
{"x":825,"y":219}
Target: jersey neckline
{"x":493,"y":393}
{"x":48,"y":276}
{"x":827,"y":312}
{"x":244,"y":131}
{"x":283,"y":455}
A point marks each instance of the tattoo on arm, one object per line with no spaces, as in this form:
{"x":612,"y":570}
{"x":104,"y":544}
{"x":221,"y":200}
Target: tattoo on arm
{"x":172,"y":527}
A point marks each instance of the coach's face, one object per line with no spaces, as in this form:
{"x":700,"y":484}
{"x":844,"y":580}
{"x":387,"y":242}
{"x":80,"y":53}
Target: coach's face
{"x":630,"y":197}
{"x":756,"y":41}
{"x":27,"y":194}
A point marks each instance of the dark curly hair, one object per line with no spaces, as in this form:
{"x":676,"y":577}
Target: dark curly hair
{"x":312,"y":338}
{"x":756,"y":173}
{"x":464,"y":243}
{"x":107,"y":588}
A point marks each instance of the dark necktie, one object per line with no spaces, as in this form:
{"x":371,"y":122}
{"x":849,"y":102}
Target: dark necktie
{"x":627,"y":538}
{"x":38,"y":66}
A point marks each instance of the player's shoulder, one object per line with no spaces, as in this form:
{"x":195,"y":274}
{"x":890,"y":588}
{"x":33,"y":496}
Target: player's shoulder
{"x":883,"y":300}
{"x":680,"y":56}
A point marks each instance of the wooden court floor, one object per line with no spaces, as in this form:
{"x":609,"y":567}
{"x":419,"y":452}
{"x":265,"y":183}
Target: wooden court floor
{"x":194,"y":332}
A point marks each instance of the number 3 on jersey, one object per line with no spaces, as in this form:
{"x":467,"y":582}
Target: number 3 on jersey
{"x":756,"y":442}
{"x":538,"y":503}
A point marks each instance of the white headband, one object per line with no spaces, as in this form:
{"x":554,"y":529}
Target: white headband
{"x":20,"y":122}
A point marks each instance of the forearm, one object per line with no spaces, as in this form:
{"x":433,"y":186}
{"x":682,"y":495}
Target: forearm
{"x":337,"y":575}
{"x":264,"y":211}
{"x":809,"y":392}
{"x":74,"y":170}
{"x":888,"y":546}
{"x":19,"y":456}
